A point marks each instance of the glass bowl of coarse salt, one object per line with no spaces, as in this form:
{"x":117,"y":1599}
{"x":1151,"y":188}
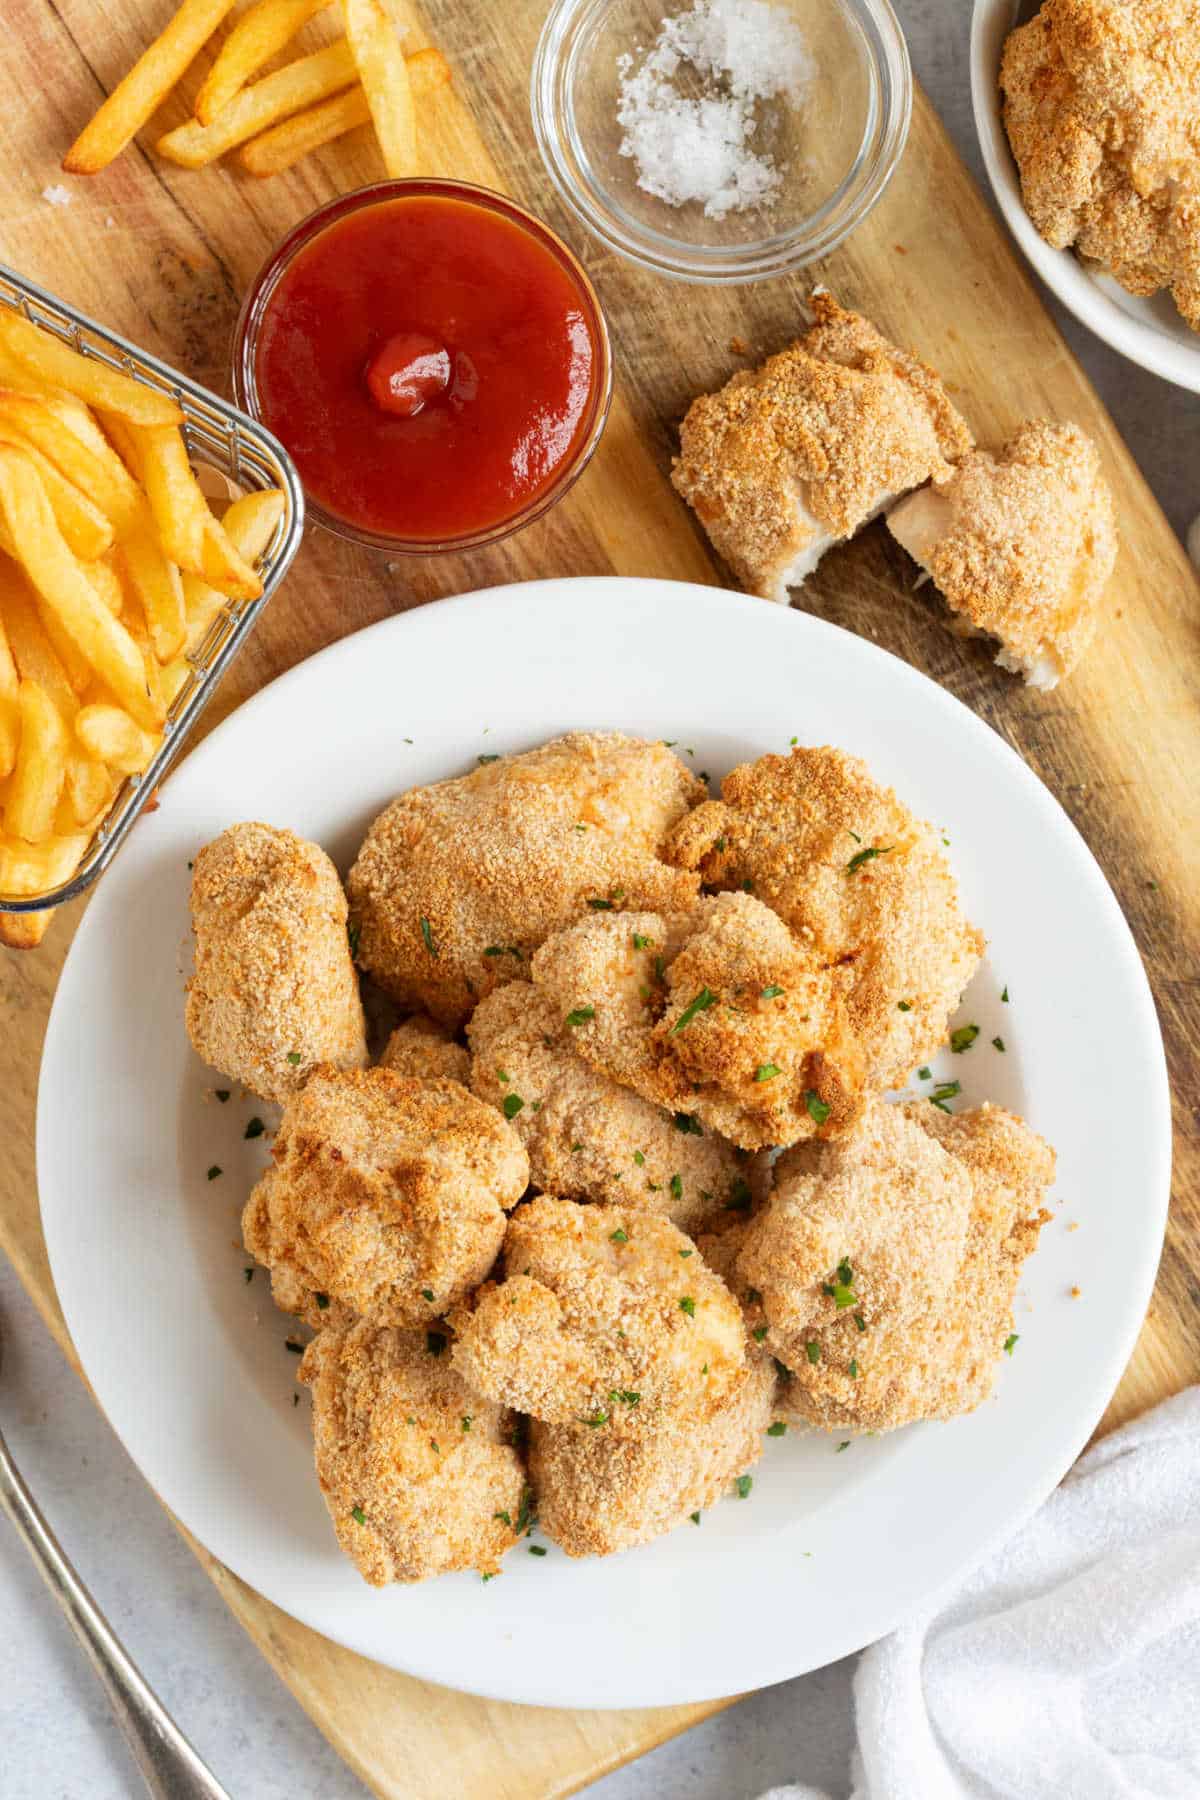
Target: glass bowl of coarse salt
{"x":721,"y":140}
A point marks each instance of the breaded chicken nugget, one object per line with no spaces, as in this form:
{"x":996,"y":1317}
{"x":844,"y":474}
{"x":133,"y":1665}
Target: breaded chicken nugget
{"x":721,"y":1014}
{"x":872,"y":1225}
{"x":457,"y":884}
{"x":1102,"y":108}
{"x":1021,"y":546}
{"x":588,"y":1138}
{"x":420,"y":1475}
{"x":274,"y":992}
{"x":789,"y":458}
{"x":861,"y":883}
{"x":289,"y":1290}
{"x":422,"y":1047}
{"x":597,"y":1492}
{"x":387,"y":1193}
{"x":606,"y":1317}
{"x":941,"y":1361}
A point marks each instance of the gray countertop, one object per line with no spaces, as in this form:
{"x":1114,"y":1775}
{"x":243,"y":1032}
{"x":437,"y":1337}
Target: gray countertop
{"x":54,"y":1727}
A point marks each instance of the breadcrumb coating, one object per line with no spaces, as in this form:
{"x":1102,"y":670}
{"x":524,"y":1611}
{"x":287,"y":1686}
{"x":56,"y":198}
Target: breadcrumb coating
{"x":937,"y":1363}
{"x":274,"y":990}
{"x":457,"y":884}
{"x":1102,"y":108}
{"x":598,"y":1493}
{"x":419,"y":1474}
{"x":588,"y":1138}
{"x":861,"y":883}
{"x":422,"y":1047}
{"x":387,"y":1193}
{"x":719,"y":1013}
{"x":1021,"y":546}
{"x":607,"y":1317}
{"x":792,"y":456}
{"x":872,"y":1225}
{"x":289,"y":1290}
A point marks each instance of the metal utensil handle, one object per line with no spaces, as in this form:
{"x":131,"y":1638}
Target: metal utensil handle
{"x":170,"y":1767}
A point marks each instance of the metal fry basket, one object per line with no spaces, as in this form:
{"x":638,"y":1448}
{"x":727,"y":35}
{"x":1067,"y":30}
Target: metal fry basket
{"x":218,"y":437}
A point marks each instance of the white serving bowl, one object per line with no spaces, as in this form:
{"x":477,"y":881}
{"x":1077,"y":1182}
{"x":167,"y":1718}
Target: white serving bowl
{"x":1149,"y":332}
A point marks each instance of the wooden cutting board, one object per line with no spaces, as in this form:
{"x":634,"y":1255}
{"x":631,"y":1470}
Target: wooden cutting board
{"x":163,"y":255}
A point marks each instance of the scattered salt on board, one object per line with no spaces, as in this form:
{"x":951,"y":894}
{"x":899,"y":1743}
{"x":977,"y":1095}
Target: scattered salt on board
{"x":698,"y":146}
{"x":57,"y":196}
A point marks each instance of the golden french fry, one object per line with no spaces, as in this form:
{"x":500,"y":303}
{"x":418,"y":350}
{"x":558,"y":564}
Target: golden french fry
{"x":24,"y":931}
{"x":40,"y":769}
{"x":154,"y":687}
{"x":58,"y":578}
{"x":10,"y":681}
{"x":298,"y":84}
{"x":27,"y":869}
{"x":86,"y":793}
{"x":224,"y":568}
{"x":110,"y":736}
{"x":180,"y":509}
{"x":155,"y":582}
{"x":10,"y":734}
{"x":256,"y":37}
{"x":375,"y":47}
{"x":286,"y":143}
{"x":78,"y":669}
{"x":83,"y":525}
{"x":58,"y":427}
{"x":145,"y":87}
{"x":104,"y":578}
{"x":34,"y":655}
{"x":85,"y":376}
{"x":249,"y":525}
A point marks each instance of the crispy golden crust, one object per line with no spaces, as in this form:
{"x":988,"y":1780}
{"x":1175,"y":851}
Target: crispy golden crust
{"x":274,"y":992}
{"x":288,"y":1287}
{"x":719,"y":1014}
{"x":811,"y":444}
{"x":598,"y":1493}
{"x":937,"y":1363}
{"x":793,"y":826}
{"x":1102,"y":108}
{"x":1021,"y":546}
{"x":605,"y":1314}
{"x":588,"y":1138}
{"x":419,"y":1474}
{"x":885,"y":1206}
{"x":457,"y":884}
{"x":387,"y":1193}
{"x":422,"y":1047}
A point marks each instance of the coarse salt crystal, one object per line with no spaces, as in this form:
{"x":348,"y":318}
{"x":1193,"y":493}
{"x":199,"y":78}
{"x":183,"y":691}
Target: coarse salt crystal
{"x":58,"y":196}
{"x":689,"y":147}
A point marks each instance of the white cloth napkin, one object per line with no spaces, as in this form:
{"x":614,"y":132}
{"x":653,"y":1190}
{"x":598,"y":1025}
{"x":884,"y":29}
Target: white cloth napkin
{"x":1068,"y":1665}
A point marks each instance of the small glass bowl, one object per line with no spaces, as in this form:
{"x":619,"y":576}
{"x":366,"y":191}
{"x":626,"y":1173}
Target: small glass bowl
{"x":258,"y":300}
{"x":836,"y":154}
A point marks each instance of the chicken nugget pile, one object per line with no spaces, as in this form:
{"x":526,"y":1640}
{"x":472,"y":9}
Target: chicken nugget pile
{"x":623,"y":1193}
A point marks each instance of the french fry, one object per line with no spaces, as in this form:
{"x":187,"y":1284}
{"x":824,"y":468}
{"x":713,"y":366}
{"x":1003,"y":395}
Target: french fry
{"x":225,"y":569}
{"x":40,"y":769}
{"x":58,"y":427}
{"x":75,"y":664}
{"x":91,"y":380}
{"x":180,"y":509}
{"x":59,"y":579}
{"x":150,"y":663}
{"x":28,"y":869}
{"x":87,"y":791}
{"x":156,"y":584}
{"x":109,"y":735}
{"x":284,"y":144}
{"x":375,"y":47}
{"x":104,"y":578}
{"x":258,"y":35}
{"x":174,"y":675}
{"x":145,"y":87}
{"x":249,"y":525}
{"x":83,"y":525}
{"x":10,"y":723}
{"x":298,"y":84}
{"x":24,"y":931}
{"x":34,"y":655}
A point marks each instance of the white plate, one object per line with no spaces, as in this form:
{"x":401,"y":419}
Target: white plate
{"x":1149,"y":332}
{"x":830,"y":1550}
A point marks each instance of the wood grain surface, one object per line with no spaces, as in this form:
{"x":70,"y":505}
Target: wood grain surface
{"x":163,"y":255}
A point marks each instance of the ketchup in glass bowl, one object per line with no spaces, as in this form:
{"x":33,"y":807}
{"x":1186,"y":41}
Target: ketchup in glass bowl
{"x":434,"y":360}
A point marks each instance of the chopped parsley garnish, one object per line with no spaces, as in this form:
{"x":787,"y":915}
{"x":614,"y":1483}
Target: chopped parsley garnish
{"x":1011,"y":1342}
{"x":512,"y":1105}
{"x":641,"y":941}
{"x":537,"y":1550}
{"x":998,"y":1043}
{"x":255,"y":1128}
{"x":222,"y":1094}
{"x":214,"y":1171}
{"x":249,"y":1274}
{"x":688,"y":1123}
{"x":435,"y":1342}
{"x":813,"y":1350}
{"x":685,"y":1253}
{"x":719,"y":844}
{"x":844,"y":1445}
{"x":601,"y":905}
{"x":753,"y":1296}
{"x":466,"y":1421}
{"x":925,"y":1074}
{"x":747,"y":886}
{"x":694,"y":1517}
{"x":358,"y":1515}
{"x":639,"y":1159}
{"x":427,"y":1293}
{"x":296,"y":1349}
{"x":778,"y":1429}
{"x":845,"y":1273}
{"x":760,"y":1332}
{"x":502,"y":1075}
{"x":293,"y":1057}
{"x":427,"y":934}
{"x":1004,"y":996}
{"x":354,"y":932}
{"x":860,"y":1321}
{"x":618,"y":1236}
{"x":676,"y":1185}
{"x":481,"y":760}
{"x":575,"y":1149}
{"x":322,"y":1301}
{"x":739,"y":1196}
{"x":854,"y":835}
{"x":904,"y":1006}
{"x":853,"y":1370}
{"x":818,"y":1110}
{"x":840,"y":1293}
{"x":526,"y":1517}
{"x":865,"y":856}
{"x":625,"y":1396}
{"x":963,"y":1038}
{"x":766,"y":1071}
{"x":580,"y":1015}
{"x":703,"y":1000}
{"x":773,"y":992}
{"x":581,"y":827}
{"x":504,"y":1518}
{"x":945,"y":1091}
{"x":688,"y":1305}
{"x":504,"y":950}
{"x":597,"y":1418}
{"x":742,"y":1485}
